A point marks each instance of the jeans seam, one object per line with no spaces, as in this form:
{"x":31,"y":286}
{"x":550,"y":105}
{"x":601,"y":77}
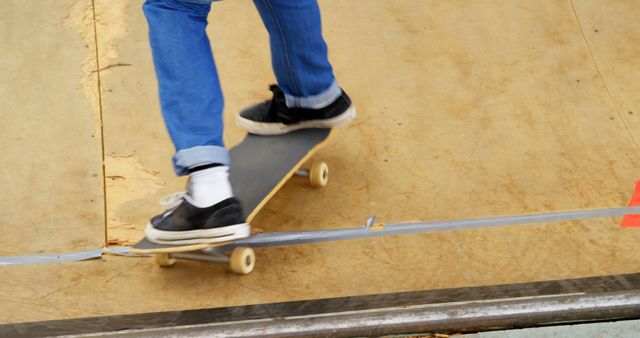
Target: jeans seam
{"x":284,"y":45}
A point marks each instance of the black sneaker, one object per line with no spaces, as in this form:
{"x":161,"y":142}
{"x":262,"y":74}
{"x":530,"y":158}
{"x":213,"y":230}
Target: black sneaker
{"x":275,"y":118}
{"x":184,"y":223}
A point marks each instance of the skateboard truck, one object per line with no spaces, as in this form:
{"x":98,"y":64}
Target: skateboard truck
{"x":241,"y":260}
{"x":302,"y":172}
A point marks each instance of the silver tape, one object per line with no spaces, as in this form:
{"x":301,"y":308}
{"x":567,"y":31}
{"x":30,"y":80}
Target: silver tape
{"x":369,"y":230}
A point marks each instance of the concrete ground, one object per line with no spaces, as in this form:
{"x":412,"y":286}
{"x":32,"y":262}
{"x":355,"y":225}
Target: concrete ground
{"x":466,"y":109}
{"x":622,"y":329}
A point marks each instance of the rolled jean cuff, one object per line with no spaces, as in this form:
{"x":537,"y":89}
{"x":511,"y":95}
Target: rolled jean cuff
{"x":317,"y":101}
{"x":197,"y":156}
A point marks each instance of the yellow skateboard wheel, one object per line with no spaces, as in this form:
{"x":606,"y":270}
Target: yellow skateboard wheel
{"x":319,"y":174}
{"x":242,"y":261}
{"x":164,"y":259}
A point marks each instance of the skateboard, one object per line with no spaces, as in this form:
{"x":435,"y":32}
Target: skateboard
{"x":261,"y":165}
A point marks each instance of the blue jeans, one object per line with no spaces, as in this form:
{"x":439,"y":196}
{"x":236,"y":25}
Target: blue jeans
{"x":190,"y":94}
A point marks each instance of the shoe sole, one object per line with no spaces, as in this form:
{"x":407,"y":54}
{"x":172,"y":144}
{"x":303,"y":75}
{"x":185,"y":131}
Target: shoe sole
{"x":266,"y":128}
{"x":215,"y":235}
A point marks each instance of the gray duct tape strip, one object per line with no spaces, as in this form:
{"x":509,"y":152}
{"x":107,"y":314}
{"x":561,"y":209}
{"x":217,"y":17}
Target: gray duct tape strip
{"x":65,"y":257}
{"x":287,"y":238}
{"x":51,"y":258}
{"x":284,"y":238}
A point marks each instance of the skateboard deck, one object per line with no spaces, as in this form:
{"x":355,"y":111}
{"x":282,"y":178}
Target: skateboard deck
{"x":260,"y":166}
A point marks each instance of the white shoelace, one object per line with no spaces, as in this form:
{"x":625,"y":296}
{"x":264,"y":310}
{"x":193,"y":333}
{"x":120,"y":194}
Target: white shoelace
{"x":172,"y":201}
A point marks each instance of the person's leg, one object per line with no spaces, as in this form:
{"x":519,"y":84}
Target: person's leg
{"x":192,"y":104}
{"x":190,"y":95}
{"x":307,"y":95}
{"x":299,"y":52}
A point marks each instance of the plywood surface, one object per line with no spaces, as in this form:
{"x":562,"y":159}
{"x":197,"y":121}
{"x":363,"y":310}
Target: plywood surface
{"x":51,"y":157}
{"x":465,"y":110}
{"x":612,"y":33}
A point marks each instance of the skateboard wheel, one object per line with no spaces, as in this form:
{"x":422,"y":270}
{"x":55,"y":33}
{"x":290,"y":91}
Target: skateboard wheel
{"x":164,"y":259}
{"x":242,"y":261}
{"x":319,"y":174}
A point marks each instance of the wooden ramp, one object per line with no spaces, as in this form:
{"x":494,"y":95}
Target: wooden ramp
{"x":466,"y":110}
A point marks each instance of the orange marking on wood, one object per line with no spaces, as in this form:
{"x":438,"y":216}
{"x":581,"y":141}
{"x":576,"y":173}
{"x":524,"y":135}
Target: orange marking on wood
{"x":633,"y":220}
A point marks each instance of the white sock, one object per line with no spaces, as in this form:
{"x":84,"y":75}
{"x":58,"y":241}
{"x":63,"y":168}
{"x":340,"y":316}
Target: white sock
{"x":209,"y":186}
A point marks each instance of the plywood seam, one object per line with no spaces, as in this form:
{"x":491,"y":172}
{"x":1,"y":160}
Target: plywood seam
{"x":604,"y":83}
{"x":100,"y":107}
